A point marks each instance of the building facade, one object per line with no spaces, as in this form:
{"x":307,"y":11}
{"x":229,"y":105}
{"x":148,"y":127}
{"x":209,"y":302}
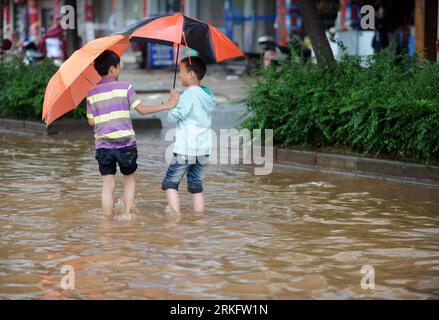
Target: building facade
{"x":415,"y":22}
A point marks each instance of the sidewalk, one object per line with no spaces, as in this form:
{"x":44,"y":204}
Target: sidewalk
{"x":153,"y":86}
{"x":161,"y":80}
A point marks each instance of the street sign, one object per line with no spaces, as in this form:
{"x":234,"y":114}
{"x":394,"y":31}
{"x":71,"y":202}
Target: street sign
{"x":160,"y":56}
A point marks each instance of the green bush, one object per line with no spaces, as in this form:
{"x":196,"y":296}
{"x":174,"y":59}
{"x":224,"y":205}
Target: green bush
{"x":387,"y":105}
{"x":22,"y":89}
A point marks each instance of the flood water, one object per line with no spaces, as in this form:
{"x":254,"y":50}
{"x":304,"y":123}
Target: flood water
{"x":292,"y":235}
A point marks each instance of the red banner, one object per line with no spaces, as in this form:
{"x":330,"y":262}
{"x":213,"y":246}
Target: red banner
{"x":343,"y":15}
{"x":34,"y":18}
{"x":7,"y":19}
{"x":56,"y":9}
{"x":89,"y":16}
{"x":281,"y":16}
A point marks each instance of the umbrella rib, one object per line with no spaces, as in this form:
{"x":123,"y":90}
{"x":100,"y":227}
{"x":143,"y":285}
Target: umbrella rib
{"x":70,"y":92}
{"x":93,"y":84}
{"x":187,"y":48}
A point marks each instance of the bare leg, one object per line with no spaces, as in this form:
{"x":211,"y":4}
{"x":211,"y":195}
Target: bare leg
{"x":108,"y":187}
{"x":173,"y":200}
{"x":198,"y":202}
{"x":129,"y":192}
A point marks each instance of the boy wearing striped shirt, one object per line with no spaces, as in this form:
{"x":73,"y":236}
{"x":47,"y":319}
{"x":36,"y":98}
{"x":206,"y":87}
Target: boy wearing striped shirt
{"x":108,"y":110}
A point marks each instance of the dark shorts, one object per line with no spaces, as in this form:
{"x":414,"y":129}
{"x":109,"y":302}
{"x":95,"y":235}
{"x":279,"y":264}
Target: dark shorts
{"x":182,"y":165}
{"x":126,"y":158}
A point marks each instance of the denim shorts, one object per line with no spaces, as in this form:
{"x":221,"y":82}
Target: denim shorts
{"x":193,"y":167}
{"x":108,"y":158}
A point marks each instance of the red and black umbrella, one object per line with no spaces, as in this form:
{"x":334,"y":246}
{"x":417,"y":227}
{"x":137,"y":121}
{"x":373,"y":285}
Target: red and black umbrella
{"x":211,"y":43}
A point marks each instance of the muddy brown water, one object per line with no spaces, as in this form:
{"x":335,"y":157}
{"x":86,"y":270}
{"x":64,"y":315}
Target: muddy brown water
{"x":292,"y":235}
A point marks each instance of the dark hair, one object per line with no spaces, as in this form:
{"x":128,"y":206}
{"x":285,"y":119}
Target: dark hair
{"x":105,"y":60}
{"x":198,"y":66}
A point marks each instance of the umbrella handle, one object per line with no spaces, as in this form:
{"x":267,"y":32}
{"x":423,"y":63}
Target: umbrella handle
{"x":176,"y":65}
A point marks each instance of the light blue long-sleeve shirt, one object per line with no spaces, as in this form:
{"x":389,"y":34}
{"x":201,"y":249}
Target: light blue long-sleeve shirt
{"x":193,"y":115}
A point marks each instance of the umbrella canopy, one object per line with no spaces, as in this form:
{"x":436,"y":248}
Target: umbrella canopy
{"x":210,"y":42}
{"x":77,"y":75}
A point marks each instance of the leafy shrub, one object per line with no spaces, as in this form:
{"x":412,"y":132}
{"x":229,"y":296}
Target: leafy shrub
{"x":22,"y":89}
{"x":386,"y":105}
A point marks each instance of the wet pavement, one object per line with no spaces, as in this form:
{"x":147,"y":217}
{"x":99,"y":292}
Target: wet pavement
{"x":291,"y":235}
{"x":152,"y":87}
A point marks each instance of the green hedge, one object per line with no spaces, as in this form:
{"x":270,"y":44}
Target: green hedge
{"x":22,"y":90}
{"x":388,"y":106}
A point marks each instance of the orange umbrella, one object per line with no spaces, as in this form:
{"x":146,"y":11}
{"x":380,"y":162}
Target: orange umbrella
{"x":178,"y":29}
{"x":77,"y":75}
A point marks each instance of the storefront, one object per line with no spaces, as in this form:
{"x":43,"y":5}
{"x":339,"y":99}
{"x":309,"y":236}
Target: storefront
{"x":288,"y":21}
{"x":247,"y":20}
{"x":243,"y":21}
{"x":26,"y":20}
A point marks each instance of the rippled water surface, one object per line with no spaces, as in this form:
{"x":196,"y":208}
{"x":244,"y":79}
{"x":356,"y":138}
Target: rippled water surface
{"x":291,"y":235}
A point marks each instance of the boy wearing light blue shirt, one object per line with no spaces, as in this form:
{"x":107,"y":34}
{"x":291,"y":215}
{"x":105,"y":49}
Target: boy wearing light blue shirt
{"x":193,"y":116}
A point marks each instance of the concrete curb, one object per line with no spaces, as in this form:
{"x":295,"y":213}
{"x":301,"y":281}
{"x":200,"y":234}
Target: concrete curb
{"x":378,"y":168}
{"x":400,"y":170}
{"x":24,"y":126}
{"x":67,"y":125}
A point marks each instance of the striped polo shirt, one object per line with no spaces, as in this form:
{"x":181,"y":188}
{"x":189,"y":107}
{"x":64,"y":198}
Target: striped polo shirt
{"x":109,"y":105}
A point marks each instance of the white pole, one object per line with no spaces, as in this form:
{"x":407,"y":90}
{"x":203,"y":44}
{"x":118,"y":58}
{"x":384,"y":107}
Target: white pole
{"x":190,"y":8}
{"x":120,"y":14}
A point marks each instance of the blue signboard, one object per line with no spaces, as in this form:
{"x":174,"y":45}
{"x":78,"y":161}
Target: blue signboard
{"x":160,"y":56}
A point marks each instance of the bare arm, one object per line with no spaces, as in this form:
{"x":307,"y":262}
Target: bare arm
{"x":90,"y":118}
{"x":171,"y":103}
{"x":144,"y":110}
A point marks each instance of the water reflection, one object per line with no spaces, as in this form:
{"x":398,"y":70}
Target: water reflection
{"x":294,"y":234}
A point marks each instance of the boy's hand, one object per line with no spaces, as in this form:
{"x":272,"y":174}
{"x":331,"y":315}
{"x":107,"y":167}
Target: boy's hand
{"x":175,"y":94}
{"x":173,"y":100}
